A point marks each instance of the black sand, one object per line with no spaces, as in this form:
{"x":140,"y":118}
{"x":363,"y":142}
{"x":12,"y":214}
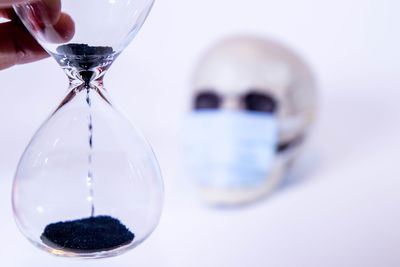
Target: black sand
{"x":94,"y":234}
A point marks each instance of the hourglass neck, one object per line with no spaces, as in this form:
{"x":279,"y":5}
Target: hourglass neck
{"x":86,"y":79}
{"x":85,"y":65}
{"x":88,"y":82}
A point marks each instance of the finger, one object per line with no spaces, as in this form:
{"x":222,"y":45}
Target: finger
{"x":64,"y":30}
{"x":47,"y":12}
{"x":47,"y":22}
{"x":41,"y":13}
{"x":8,"y":3}
{"x":53,"y":10}
{"x":7,"y":13}
{"x":17,"y":46}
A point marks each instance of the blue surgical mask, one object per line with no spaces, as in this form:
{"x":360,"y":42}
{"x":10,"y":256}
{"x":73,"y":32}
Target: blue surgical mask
{"x":230,"y":149}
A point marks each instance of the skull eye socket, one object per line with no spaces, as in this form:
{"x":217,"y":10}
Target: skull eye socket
{"x":257,"y":101}
{"x":207,"y":100}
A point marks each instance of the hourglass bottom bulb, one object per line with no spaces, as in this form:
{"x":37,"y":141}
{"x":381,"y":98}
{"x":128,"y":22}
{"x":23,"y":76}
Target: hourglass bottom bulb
{"x":93,"y":234}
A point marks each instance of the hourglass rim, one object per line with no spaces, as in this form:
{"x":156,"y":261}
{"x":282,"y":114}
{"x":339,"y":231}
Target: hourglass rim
{"x":86,"y":255}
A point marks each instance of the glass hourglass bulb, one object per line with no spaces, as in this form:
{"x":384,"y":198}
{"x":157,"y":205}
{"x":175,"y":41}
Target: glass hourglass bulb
{"x":88,"y":184}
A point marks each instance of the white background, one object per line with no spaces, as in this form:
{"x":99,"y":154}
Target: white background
{"x":341,"y":206}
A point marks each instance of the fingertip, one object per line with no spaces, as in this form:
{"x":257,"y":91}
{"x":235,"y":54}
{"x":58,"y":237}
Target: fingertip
{"x":62,"y":31}
{"x":53,"y":10}
{"x":66,"y":27}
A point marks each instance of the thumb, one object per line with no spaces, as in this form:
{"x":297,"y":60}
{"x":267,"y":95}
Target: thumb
{"x":8,"y":3}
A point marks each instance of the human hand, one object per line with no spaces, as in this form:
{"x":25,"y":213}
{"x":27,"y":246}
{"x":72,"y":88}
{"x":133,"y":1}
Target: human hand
{"x":17,"y":46}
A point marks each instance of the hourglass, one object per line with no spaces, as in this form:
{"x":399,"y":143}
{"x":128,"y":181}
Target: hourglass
{"x":88,"y":184}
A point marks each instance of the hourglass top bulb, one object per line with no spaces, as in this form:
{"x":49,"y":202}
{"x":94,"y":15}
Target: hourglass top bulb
{"x":84,"y":62}
{"x":82,"y":56}
{"x":88,"y":35}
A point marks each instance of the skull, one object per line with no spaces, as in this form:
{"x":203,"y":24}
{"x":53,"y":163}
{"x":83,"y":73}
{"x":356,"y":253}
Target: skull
{"x":262,"y":76}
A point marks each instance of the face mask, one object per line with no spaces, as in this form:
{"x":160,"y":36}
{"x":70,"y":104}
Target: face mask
{"x":230,"y":149}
